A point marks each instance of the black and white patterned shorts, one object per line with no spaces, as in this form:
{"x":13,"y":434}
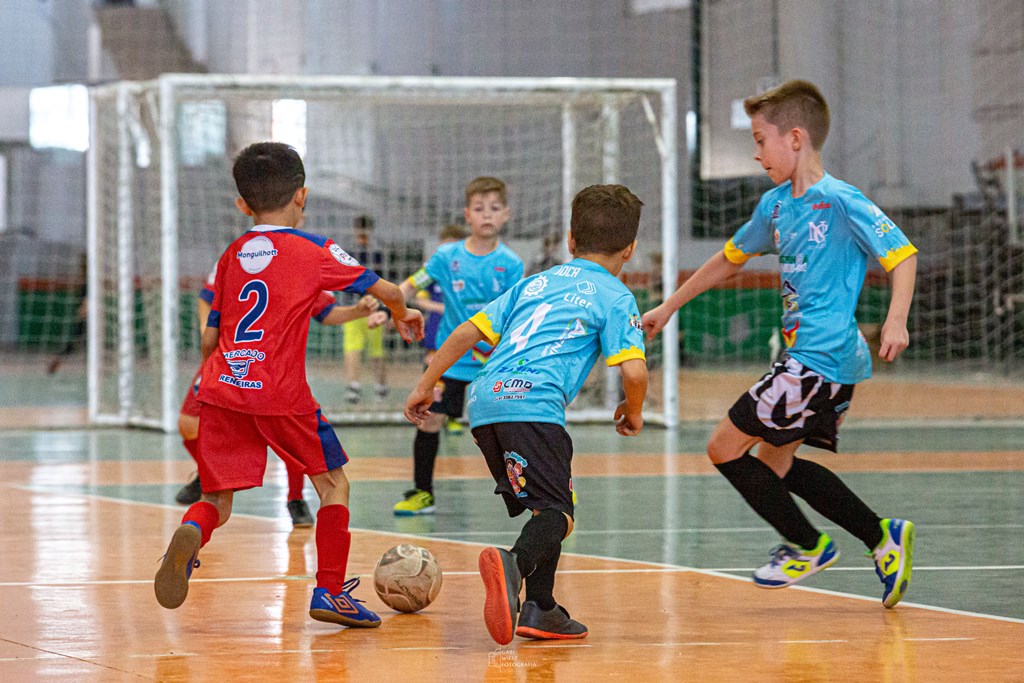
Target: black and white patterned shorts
{"x":793,"y":403}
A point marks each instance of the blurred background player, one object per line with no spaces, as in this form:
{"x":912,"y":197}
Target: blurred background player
{"x":357,"y":335}
{"x":254,"y":392}
{"x":550,"y":254}
{"x":327,"y":312}
{"x":824,"y":230}
{"x":518,"y":421}
{"x":471,"y":273}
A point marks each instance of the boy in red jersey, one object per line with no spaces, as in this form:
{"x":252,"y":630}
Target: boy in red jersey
{"x":326,"y":311}
{"x":254,"y":392}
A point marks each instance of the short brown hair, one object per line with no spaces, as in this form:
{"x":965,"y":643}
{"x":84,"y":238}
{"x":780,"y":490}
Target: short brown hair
{"x":794,"y":104}
{"x":485,"y":184}
{"x":267,"y":174}
{"x":605,"y":219}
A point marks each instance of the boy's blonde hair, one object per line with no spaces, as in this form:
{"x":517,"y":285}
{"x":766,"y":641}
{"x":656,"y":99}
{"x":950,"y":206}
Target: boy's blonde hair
{"x":485,"y":185}
{"x":794,"y":104}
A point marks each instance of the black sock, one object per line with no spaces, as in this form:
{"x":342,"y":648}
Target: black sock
{"x":424,"y":453}
{"x":830,"y":497}
{"x":537,"y":551}
{"x":768,"y":496}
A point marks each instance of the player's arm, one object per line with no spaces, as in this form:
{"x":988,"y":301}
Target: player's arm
{"x":629,"y":415}
{"x":715,"y":270}
{"x":458,"y":343}
{"x":202,"y":312}
{"x":209,"y":341}
{"x":408,"y":321}
{"x":895,"y":337}
{"x":344,"y":314}
{"x":423,"y":302}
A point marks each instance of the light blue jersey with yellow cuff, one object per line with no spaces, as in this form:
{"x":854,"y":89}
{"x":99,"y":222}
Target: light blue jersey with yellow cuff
{"x":548,"y":331}
{"x":824,"y":239}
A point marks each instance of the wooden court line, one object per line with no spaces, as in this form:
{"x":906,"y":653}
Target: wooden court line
{"x":614,"y":560}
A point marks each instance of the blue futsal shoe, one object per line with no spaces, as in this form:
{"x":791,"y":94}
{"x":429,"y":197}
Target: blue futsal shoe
{"x":342,"y":608}
{"x":171,"y":582}
{"x":894,"y":559}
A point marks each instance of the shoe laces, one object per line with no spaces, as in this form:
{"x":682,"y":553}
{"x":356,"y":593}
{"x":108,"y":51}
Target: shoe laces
{"x":350,"y":586}
{"x":781,"y":553}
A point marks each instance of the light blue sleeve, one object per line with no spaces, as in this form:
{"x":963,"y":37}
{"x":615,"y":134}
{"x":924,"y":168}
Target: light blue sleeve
{"x":622,"y":336}
{"x":437,"y":268}
{"x":494,"y":317}
{"x":756,"y":235}
{"x":875,"y":233}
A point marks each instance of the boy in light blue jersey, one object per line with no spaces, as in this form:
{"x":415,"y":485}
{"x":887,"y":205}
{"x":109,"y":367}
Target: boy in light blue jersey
{"x":823,"y":230}
{"x":547,"y":330}
{"x":472,"y":273}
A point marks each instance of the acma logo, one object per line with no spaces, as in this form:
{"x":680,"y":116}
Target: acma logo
{"x":497,"y":387}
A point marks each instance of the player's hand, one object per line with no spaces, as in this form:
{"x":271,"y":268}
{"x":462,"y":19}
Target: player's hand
{"x":376,"y":319}
{"x":417,"y":405}
{"x":410,"y":326}
{"x":628,"y":424}
{"x":367,"y":305}
{"x":654,"y":320}
{"x":895,"y":339}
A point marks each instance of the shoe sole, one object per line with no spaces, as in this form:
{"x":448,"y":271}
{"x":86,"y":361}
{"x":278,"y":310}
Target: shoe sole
{"x":330,"y":617}
{"x":537,"y":634}
{"x":302,"y":524}
{"x":814,"y":571}
{"x":903,"y":574}
{"x":429,"y":510}
{"x":171,"y":582}
{"x":499,"y":613}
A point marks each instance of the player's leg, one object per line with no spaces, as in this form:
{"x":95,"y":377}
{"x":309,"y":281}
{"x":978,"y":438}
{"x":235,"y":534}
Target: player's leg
{"x":188,"y":428}
{"x":352,"y":344}
{"x":449,"y":398}
{"x":311,"y":440}
{"x":375,"y":353}
{"x":231,"y":456}
{"x":298,"y":510}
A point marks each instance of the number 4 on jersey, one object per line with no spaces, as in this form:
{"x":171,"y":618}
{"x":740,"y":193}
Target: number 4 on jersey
{"x":521,"y":334}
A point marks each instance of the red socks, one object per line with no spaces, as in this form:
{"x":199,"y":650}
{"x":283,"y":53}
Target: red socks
{"x":296,"y":480}
{"x":333,"y":541}
{"x":205,"y":516}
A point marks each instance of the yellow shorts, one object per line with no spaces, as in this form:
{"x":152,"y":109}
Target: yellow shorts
{"x":358,"y":336}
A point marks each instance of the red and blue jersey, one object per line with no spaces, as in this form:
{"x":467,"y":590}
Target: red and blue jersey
{"x":267,"y":284}
{"x":324,"y":304}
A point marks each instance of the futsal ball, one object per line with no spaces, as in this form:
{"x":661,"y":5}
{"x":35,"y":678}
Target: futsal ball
{"x":407,"y":578}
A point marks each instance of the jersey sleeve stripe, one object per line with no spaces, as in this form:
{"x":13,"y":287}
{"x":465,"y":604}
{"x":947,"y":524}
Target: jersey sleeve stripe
{"x":213,"y":319}
{"x":420,"y":279}
{"x":362,"y":283}
{"x":894,"y":257}
{"x":319,"y":317}
{"x":735,"y":255}
{"x":626,"y":354}
{"x":206,"y":294}
{"x":483,"y":323}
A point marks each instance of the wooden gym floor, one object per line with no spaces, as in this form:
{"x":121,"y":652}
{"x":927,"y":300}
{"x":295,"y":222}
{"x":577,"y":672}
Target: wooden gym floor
{"x":657,"y":567}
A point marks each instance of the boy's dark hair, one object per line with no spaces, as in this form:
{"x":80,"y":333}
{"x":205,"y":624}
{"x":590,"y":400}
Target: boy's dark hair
{"x":454,"y":231}
{"x":794,"y":104}
{"x":484,"y":185}
{"x":267,"y":174}
{"x":605,"y":219}
{"x":363,"y":222}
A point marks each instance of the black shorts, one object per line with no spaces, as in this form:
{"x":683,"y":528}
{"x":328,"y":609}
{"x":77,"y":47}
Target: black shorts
{"x":449,"y":397}
{"x":793,"y":403}
{"x":531,"y":463}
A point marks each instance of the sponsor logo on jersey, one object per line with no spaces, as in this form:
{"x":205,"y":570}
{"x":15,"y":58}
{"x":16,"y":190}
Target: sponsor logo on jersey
{"x":586,"y":287}
{"x":776,"y":210}
{"x":567,"y":271}
{"x":458,"y":285}
{"x":789,"y":334}
{"x":499,"y":269}
{"x":256,"y":254}
{"x":514,"y":466}
{"x":635,"y":322}
{"x":883,"y":228}
{"x":535,"y":286}
{"x":790,"y":298}
{"x":793,"y":264}
{"x":575,"y":328}
{"x":516,"y":385}
{"x":820,"y":205}
{"x":240,"y":383}
{"x":342,"y":256}
{"x":817,"y":231}
{"x":497,"y":387}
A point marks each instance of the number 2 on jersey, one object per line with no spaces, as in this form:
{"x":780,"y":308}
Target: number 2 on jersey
{"x":521,"y":334}
{"x":257,"y":288}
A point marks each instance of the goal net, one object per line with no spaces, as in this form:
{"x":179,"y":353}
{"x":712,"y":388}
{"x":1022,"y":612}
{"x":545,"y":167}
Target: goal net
{"x":394,"y":151}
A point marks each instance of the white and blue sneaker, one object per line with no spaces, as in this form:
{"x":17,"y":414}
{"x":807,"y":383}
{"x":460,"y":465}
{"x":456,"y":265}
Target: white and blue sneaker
{"x":790,"y":564}
{"x":894,"y":559}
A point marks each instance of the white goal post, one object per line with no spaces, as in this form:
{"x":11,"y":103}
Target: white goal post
{"x":396,"y":149}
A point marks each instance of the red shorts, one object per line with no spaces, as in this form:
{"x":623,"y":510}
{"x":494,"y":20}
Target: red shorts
{"x":233,"y":446}
{"x":190,"y":406}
